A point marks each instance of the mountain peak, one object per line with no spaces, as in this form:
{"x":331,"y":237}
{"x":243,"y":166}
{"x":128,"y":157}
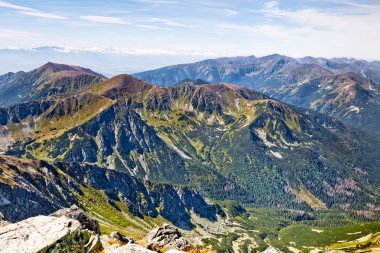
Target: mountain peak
{"x":55,"y":67}
{"x":352,"y":75}
{"x":56,"y":70}
{"x":51,"y":68}
{"x":48,"y":80}
{"x":120,"y":84}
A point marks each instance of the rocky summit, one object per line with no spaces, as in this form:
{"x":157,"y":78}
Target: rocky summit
{"x":42,"y":233}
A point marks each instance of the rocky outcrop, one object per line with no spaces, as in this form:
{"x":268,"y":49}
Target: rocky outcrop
{"x":272,"y":250}
{"x":63,"y":234}
{"x":74,"y":212}
{"x":43,"y":233}
{"x":94,"y":244}
{"x":129,"y":248}
{"x":115,"y":238}
{"x":166,"y":237}
{"x":119,"y":237}
{"x":72,"y":230}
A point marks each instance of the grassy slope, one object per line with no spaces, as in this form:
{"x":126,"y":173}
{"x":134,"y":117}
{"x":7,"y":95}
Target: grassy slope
{"x":292,"y":230}
{"x":236,"y":132}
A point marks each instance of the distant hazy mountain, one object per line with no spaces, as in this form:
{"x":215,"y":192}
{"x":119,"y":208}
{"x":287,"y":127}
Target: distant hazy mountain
{"x":344,"y":88}
{"x":226,"y":141}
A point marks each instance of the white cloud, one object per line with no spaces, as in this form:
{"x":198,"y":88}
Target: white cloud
{"x":42,"y":14}
{"x":156,"y":1}
{"x":344,"y":21}
{"x":166,"y":22}
{"x":30,"y":11}
{"x":154,"y":27}
{"x":360,"y":5}
{"x":13,"y":6}
{"x":350,"y":30}
{"x":104,"y":19}
{"x":230,"y":12}
{"x":121,"y":50}
{"x":271,"y":5}
{"x":268,"y":30}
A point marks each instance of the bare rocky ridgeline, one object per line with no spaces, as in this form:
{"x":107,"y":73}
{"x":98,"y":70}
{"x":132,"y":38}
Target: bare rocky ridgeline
{"x":72,"y":230}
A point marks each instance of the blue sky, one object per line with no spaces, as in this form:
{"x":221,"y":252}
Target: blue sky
{"x":201,"y":28}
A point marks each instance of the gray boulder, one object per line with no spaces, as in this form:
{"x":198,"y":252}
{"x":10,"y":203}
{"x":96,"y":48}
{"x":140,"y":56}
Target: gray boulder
{"x":166,"y":237}
{"x":74,"y":212}
{"x":129,"y":248}
{"x":42,"y":233}
{"x":116,"y":236}
{"x":272,"y":250}
{"x":93,"y":244}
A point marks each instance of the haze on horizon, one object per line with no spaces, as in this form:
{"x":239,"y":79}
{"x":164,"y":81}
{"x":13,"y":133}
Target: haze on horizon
{"x":136,"y":35}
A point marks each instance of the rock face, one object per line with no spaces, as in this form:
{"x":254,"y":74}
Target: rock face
{"x":167,"y":237}
{"x":72,"y":230}
{"x":272,"y":250}
{"x":115,"y":238}
{"x":129,"y":248}
{"x":30,"y":188}
{"x":119,"y":237}
{"x":42,"y":233}
{"x":74,"y":212}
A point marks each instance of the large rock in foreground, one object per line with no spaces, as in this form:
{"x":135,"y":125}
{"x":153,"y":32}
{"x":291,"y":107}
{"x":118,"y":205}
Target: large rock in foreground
{"x":166,"y":237}
{"x":272,"y":250}
{"x":43,"y":233}
{"x":129,"y":248}
{"x":72,"y":230}
{"x":74,"y":212}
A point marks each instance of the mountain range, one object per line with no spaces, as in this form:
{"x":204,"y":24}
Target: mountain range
{"x":194,"y":153}
{"x":228,"y":142}
{"x":344,"y":88}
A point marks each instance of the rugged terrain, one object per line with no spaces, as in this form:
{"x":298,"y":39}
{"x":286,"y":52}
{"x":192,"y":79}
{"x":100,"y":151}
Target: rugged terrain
{"x":29,"y":188}
{"x":226,"y":141}
{"x":135,"y":156}
{"x":347,"y":89}
{"x":123,"y":213}
{"x":72,"y":230}
{"x":47,"y":80}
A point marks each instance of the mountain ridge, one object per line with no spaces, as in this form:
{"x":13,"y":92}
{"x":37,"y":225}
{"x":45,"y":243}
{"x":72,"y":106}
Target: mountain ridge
{"x":290,"y":80}
{"x":234,"y":169}
{"x":216,"y":134}
{"x":47,"y":80}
